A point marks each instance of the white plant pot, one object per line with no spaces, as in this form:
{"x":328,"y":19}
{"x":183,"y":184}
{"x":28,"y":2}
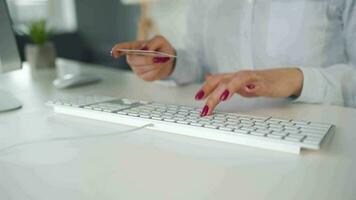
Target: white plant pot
{"x":41,"y":56}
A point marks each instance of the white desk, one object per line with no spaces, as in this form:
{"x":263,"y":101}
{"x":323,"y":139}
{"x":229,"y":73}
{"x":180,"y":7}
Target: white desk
{"x":152,"y":165}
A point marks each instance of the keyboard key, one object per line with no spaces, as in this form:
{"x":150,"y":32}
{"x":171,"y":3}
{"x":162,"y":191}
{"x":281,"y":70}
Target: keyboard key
{"x":279,"y":133}
{"x":264,"y":131}
{"x":292,"y":139}
{"x":261,"y":124}
{"x":320,"y":125}
{"x":297,"y":136}
{"x":312,"y":137}
{"x":192,"y":121}
{"x":169,"y":120}
{"x":217,"y":124}
{"x":203,"y":122}
{"x":274,"y":136}
{"x":210,"y":126}
{"x":293,"y":131}
{"x":273,"y":121}
{"x":260,"y":127}
{"x":239,"y":131}
{"x":312,"y":132}
{"x":257,"y":133}
{"x":182,"y":122}
{"x":248,"y":129}
{"x":291,"y":128}
{"x":122,"y":113}
{"x":290,"y":124}
{"x":276,"y":129}
{"x":193,"y":117}
{"x":133,"y":114}
{"x":225,"y":129}
{"x":233,"y":126}
{"x":281,"y":120}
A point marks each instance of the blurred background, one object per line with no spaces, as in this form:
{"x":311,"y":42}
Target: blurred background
{"x":86,"y":30}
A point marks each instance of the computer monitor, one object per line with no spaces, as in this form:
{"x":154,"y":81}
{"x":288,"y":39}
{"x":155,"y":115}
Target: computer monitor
{"x":9,"y":56}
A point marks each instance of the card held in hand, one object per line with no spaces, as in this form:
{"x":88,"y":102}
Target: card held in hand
{"x":145,"y":53}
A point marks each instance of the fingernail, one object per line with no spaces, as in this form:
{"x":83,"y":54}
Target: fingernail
{"x":160,"y":59}
{"x":199,"y":95}
{"x":144,"y":48}
{"x":224,"y":95}
{"x":111,"y":52}
{"x":251,"y":86}
{"x":164,"y":59}
{"x":205,"y":111}
{"x":156,"y":59}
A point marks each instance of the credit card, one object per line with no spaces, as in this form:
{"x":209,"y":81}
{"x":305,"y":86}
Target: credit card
{"x":146,"y":53}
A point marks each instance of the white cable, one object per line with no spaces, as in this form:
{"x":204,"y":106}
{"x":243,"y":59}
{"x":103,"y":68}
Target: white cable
{"x":74,"y":138}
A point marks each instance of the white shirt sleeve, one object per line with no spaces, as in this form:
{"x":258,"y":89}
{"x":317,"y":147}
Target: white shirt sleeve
{"x":189,"y":65}
{"x":335,"y":84}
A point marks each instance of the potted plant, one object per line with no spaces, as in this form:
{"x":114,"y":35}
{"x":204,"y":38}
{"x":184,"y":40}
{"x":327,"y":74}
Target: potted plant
{"x":41,"y":53}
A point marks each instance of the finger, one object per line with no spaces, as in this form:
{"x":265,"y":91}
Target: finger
{"x":140,"y":70}
{"x":210,"y":84}
{"x":156,"y":43}
{"x":115,"y":51}
{"x":150,"y":75}
{"x":214,"y":99}
{"x":139,"y":60}
{"x":225,"y":90}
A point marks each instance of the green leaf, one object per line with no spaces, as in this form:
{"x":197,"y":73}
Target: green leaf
{"x":38,"y":32}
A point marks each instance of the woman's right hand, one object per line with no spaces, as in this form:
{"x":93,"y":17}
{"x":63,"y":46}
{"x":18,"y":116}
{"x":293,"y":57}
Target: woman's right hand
{"x":147,"y":67}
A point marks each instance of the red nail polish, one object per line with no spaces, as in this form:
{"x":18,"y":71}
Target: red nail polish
{"x":164,"y":59}
{"x":224,"y":95}
{"x":156,"y":59}
{"x":160,"y":59}
{"x":251,"y":86}
{"x":144,"y":48}
{"x":199,"y":95}
{"x":205,"y":111}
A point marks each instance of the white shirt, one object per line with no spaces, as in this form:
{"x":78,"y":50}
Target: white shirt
{"x":318,"y":36}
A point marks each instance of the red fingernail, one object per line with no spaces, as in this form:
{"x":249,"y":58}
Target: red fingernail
{"x":144,"y":48}
{"x":205,"y":111}
{"x":160,"y":59}
{"x":164,"y":59}
{"x":224,"y":95}
{"x":251,"y":86}
{"x":199,"y":95}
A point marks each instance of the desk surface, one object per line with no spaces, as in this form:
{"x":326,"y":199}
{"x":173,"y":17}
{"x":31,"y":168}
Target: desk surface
{"x":148,"y":164}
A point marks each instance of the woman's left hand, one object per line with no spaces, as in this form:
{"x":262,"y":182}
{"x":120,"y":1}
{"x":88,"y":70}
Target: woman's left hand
{"x":282,"y":82}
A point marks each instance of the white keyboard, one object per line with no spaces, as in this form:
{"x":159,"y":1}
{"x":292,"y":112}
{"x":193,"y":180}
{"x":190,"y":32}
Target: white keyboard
{"x":265,"y":132}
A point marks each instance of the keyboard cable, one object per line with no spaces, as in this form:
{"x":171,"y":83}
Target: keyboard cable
{"x":57,"y":139}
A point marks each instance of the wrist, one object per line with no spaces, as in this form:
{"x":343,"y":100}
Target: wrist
{"x":299,"y":78}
